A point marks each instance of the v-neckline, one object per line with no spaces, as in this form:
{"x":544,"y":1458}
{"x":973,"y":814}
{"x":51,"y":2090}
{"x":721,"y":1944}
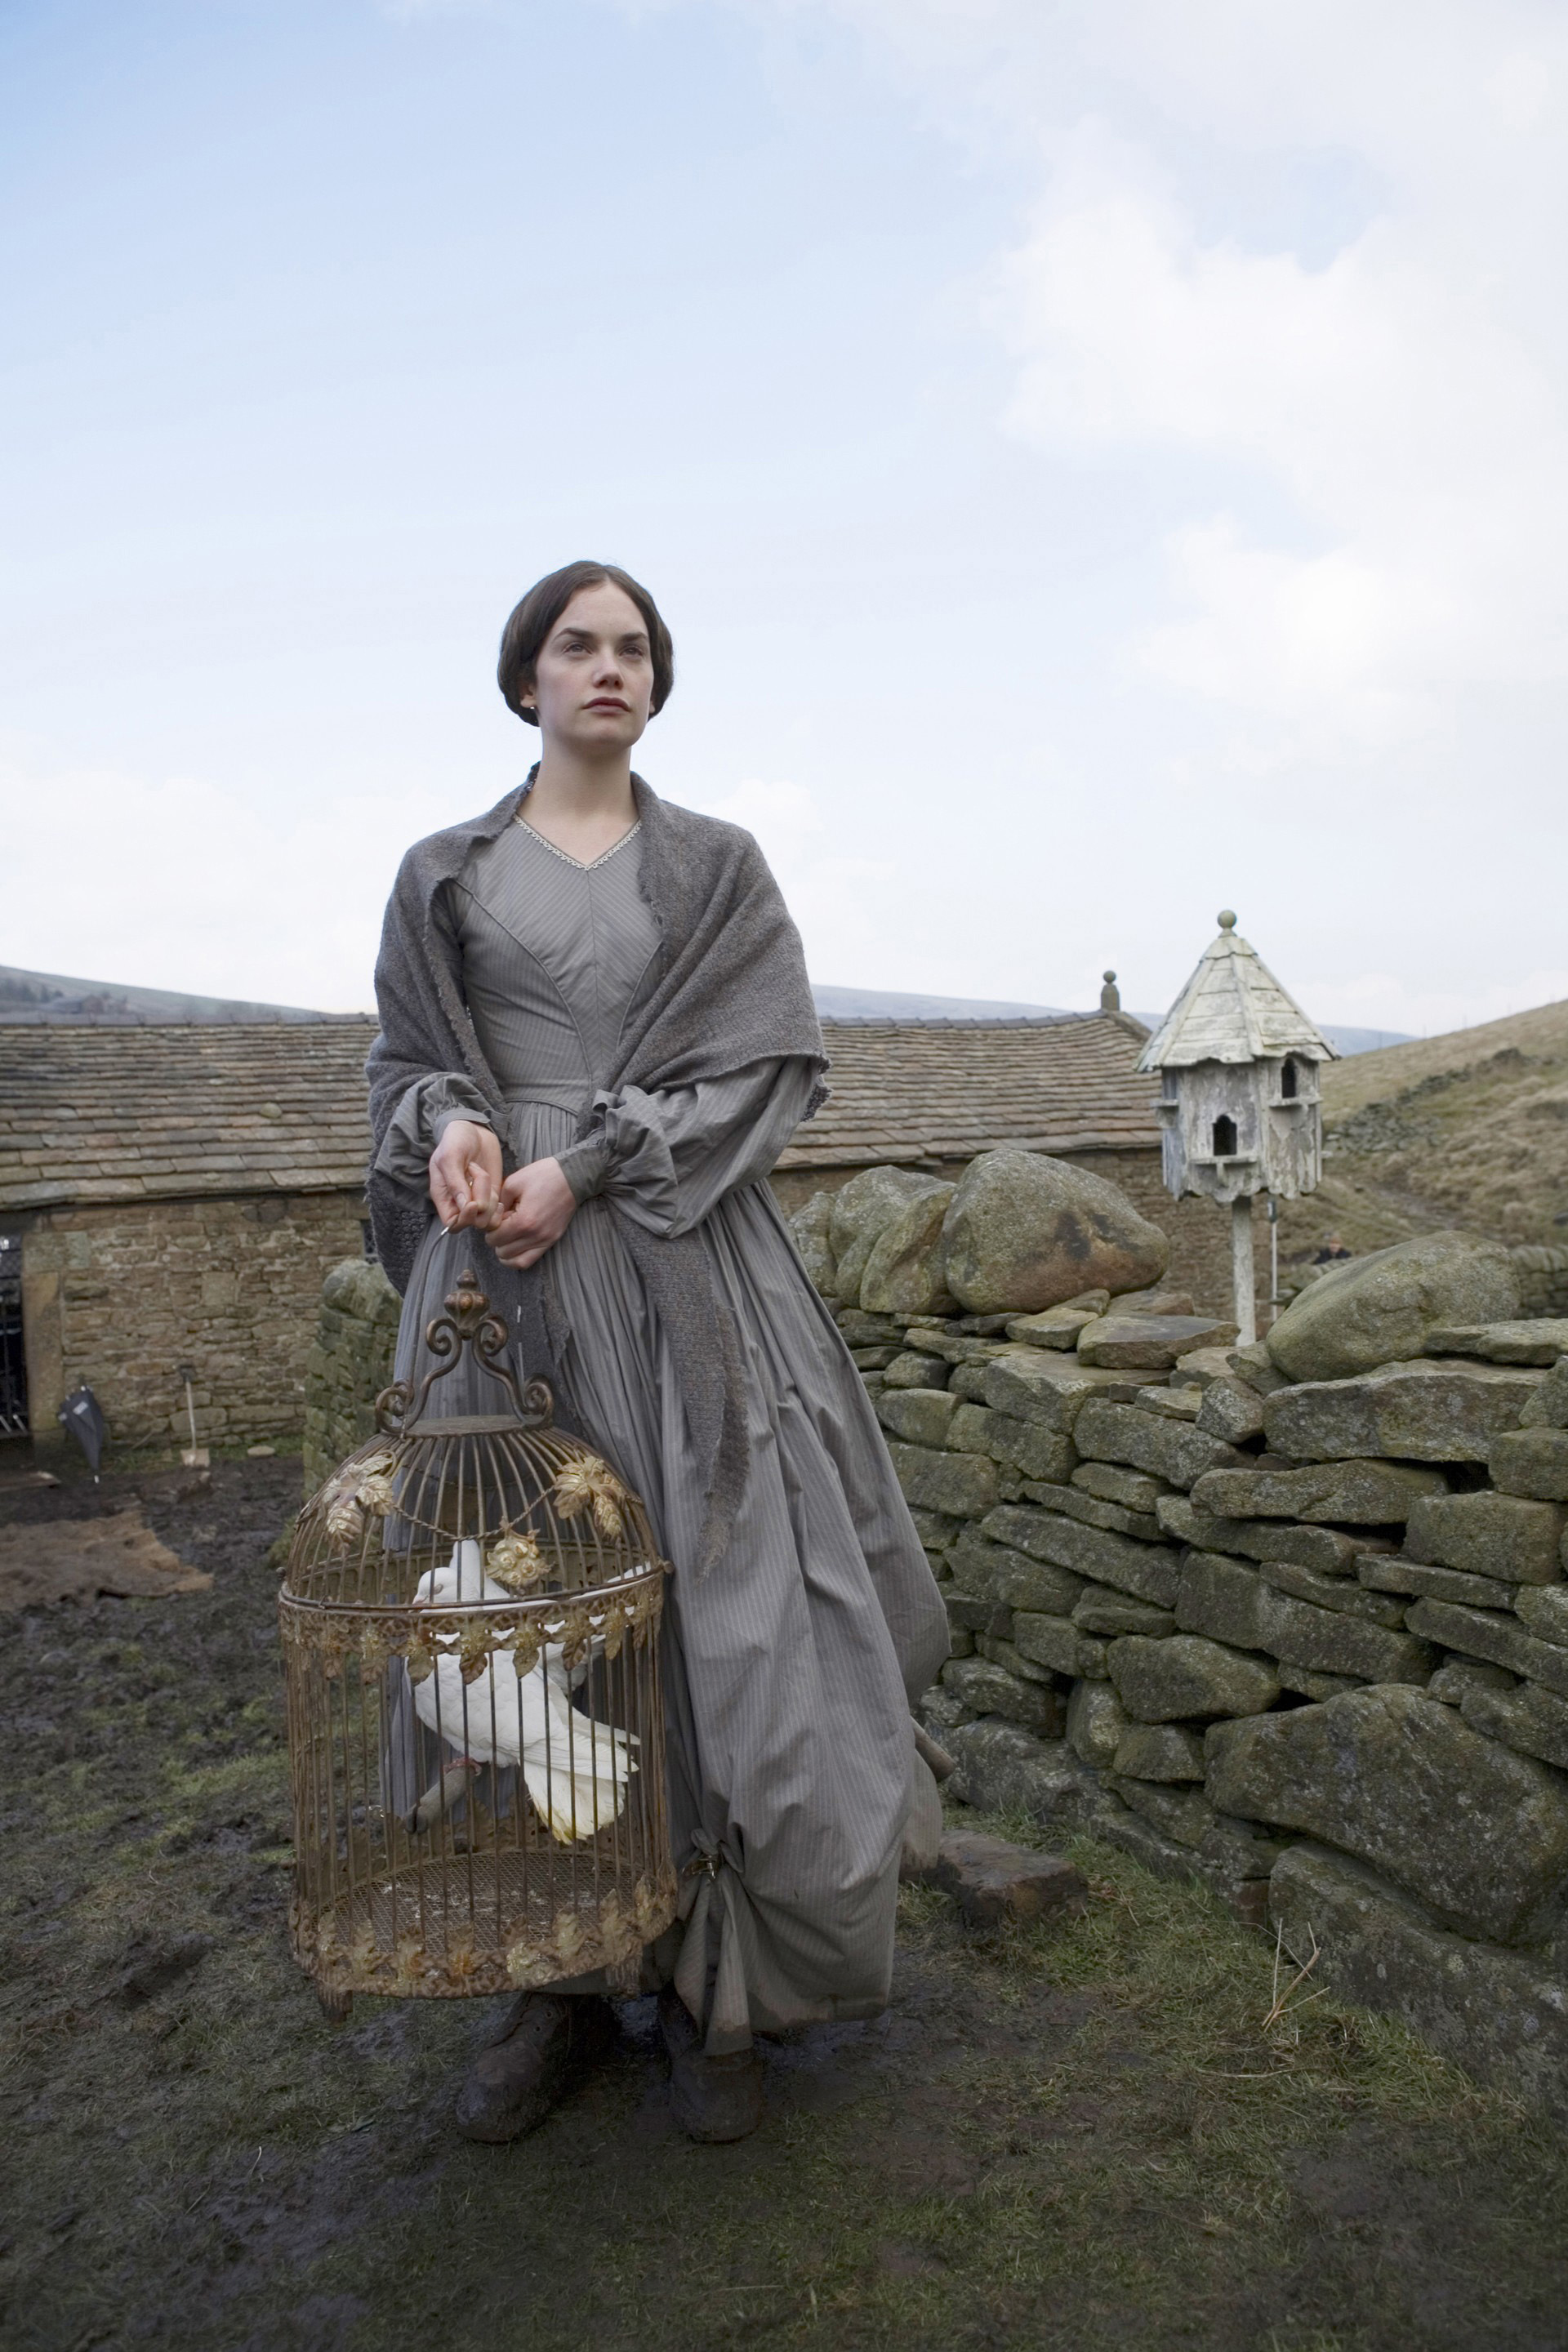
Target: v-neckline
{"x":582,"y":865}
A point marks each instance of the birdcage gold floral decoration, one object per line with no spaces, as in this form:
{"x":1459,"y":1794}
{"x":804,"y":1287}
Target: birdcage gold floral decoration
{"x":471,"y":1618}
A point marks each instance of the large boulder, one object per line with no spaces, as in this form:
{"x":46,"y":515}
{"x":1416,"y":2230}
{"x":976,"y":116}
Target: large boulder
{"x":862,"y":1210}
{"x":811,"y":1224}
{"x":1025,"y":1232}
{"x":1381,"y":1309}
{"x":1499,"y":2014}
{"x":1187,"y":1676}
{"x":1151,"y":1343}
{"x":1505,"y":1536}
{"x":1347,"y":1494}
{"x":1395,"y":1778}
{"x":1108,"y":1432}
{"x":1230,"y":1600}
{"x":904,"y":1273}
{"x":1418,"y":1411}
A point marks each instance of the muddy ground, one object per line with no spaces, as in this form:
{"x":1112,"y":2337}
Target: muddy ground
{"x":1078,"y":2139}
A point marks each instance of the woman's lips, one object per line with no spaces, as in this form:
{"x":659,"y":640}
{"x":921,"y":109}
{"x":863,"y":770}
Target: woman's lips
{"x":608,"y":702}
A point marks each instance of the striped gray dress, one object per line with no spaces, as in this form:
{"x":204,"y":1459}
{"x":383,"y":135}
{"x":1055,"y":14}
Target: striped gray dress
{"x":792,"y":1665}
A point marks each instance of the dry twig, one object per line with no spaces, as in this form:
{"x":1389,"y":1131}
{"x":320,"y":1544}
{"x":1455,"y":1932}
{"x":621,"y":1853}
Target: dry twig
{"x":1281,"y":2005}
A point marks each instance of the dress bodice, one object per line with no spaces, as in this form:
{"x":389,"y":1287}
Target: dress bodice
{"x":555,"y":955}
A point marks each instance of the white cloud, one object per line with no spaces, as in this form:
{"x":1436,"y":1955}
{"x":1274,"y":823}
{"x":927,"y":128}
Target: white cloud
{"x":1376,"y":445}
{"x":1388,"y":999}
{"x":1417,"y":437}
{"x":844,"y":905}
{"x":178,"y":883}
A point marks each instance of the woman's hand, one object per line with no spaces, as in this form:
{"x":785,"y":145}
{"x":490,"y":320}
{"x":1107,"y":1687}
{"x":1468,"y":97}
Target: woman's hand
{"x":536,"y":1206}
{"x":465,"y":1177}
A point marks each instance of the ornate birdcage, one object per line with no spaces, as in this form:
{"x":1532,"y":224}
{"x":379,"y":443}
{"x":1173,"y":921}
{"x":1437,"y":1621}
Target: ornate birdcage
{"x":471,"y":1618}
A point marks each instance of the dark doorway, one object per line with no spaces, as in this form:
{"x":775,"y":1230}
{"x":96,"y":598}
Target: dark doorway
{"x":12,"y":1355}
{"x":1290,"y":1083}
{"x":1224,"y":1137}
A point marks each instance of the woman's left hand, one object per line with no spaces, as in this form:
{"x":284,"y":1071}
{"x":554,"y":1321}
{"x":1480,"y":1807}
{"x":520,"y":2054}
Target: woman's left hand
{"x":537,"y":1205}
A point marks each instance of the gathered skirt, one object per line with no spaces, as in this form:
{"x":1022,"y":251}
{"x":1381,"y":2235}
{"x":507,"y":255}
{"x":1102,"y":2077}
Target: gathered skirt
{"x":792,"y":1665}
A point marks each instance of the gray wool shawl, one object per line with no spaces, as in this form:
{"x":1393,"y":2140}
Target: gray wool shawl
{"x":731,"y":989}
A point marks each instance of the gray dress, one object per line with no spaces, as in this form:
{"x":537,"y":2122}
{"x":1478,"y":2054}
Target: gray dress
{"x":794,"y":1661}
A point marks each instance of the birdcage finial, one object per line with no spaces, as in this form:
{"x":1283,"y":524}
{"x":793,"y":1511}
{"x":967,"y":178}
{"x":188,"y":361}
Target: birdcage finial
{"x":467,"y":1322}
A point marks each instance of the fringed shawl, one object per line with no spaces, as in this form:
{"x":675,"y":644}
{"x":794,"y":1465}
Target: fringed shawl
{"x":731,"y":989}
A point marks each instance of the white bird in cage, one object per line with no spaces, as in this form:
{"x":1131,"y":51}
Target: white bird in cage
{"x":575,"y":1768}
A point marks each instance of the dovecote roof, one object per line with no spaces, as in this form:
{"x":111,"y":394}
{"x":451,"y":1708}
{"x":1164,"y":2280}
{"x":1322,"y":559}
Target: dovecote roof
{"x":1232,"y":1009}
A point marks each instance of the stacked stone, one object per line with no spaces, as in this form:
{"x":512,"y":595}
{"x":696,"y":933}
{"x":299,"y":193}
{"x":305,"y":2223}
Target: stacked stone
{"x":349,"y":1365}
{"x":1292,"y":1618}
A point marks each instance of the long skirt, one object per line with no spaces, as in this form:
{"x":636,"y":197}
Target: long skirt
{"x":792,"y":1665}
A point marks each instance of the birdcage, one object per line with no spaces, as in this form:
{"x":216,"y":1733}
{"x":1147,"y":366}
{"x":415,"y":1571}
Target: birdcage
{"x":471,"y":1618}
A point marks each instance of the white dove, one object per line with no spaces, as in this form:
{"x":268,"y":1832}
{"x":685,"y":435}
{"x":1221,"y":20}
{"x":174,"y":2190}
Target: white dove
{"x":575,"y":1768}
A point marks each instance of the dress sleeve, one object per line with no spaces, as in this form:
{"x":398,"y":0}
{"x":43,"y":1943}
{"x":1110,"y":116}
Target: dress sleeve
{"x":667,"y":1158}
{"x":429,"y":1105}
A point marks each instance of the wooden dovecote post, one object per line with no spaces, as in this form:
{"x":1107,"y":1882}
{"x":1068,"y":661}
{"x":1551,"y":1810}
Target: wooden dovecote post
{"x":1240,"y":1108}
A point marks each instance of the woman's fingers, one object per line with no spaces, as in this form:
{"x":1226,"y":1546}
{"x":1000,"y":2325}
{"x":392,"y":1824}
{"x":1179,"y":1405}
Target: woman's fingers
{"x":465,"y":1176}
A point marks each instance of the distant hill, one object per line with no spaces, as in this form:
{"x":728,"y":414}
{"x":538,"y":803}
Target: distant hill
{"x":50,"y":996}
{"x":891,"y":1004}
{"x":1470,"y":1129}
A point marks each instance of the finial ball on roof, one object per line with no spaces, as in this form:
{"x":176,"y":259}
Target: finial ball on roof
{"x":1227,"y":919}
{"x":1108,"y":975}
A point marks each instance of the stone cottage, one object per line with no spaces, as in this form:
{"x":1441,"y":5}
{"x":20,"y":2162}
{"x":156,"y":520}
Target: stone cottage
{"x":177,"y":1194}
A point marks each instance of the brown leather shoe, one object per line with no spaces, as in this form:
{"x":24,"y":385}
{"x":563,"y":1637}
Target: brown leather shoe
{"x":711,"y":2099}
{"x":546,"y":2042}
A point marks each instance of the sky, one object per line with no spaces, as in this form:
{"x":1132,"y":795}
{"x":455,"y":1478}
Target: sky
{"x":1101,"y":462}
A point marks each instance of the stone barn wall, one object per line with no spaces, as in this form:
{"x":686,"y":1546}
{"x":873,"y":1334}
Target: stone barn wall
{"x":119,"y":1296}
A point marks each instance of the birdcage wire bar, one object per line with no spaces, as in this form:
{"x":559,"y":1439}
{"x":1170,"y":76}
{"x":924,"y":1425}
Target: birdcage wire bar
{"x":470,"y":1621}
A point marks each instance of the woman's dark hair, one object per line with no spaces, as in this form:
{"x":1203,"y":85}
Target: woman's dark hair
{"x":527,"y":631}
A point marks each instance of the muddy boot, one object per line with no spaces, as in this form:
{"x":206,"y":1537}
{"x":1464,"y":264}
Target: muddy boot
{"x":546,"y":2041}
{"x":710,"y":2098}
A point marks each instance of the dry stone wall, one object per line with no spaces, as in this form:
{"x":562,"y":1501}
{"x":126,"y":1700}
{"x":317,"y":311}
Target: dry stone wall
{"x":1290,"y":1618}
{"x":349,"y":1364}
{"x":1307,"y":1639}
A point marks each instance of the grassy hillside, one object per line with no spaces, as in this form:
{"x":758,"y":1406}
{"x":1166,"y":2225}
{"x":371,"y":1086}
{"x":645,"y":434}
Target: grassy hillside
{"x":1467,"y":1130}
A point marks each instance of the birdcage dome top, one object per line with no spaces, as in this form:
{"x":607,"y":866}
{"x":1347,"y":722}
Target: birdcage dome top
{"x":499,"y":1498}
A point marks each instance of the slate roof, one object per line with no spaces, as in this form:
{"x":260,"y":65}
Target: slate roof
{"x":203,"y":1109}
{"x":1232,"y":1009}
{"x":946,"y":1089}
{"x":180,"y":1111}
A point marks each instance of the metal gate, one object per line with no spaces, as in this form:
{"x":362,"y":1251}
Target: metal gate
{"x":12,"y":1355}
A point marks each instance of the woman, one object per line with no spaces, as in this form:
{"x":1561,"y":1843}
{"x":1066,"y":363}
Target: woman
{"x":596,"y":1036}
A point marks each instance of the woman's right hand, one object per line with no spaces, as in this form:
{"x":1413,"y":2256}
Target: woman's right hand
{"x":465,"y":1177}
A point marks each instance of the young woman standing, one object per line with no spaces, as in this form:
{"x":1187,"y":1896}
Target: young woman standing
{"x":597,"y":1037}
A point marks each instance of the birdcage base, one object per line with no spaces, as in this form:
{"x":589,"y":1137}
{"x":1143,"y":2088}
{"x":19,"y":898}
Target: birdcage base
{"x":448,"y":1932}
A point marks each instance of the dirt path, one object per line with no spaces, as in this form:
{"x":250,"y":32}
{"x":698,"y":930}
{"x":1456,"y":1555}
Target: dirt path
{"x":1074,"y":2141}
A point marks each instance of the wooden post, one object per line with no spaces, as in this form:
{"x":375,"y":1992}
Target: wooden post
{"x":1242,"y":1275}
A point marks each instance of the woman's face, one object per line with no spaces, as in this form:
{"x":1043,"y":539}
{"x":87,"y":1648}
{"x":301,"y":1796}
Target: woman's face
{"x":593,"y":679}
